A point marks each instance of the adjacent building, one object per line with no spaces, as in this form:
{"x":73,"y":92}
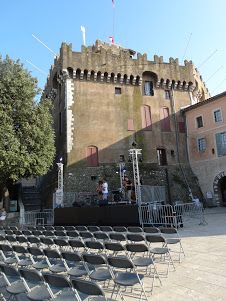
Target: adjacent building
{"x":108,"y":99}
{"x":206,"y":142}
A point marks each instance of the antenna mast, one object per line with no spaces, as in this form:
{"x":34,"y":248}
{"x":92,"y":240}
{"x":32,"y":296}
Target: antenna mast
{"x":83,"y":30}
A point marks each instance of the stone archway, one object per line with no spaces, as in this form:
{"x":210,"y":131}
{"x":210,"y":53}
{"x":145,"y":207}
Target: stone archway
{"x":216,"y":187}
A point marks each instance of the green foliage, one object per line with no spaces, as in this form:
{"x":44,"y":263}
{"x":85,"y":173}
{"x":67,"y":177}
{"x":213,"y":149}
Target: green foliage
{"x":26,"y":131}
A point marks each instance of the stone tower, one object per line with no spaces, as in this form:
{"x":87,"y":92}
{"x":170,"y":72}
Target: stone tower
{"x":106,"y":98}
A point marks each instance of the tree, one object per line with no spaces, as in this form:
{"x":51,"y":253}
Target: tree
{"x":26,"y":126}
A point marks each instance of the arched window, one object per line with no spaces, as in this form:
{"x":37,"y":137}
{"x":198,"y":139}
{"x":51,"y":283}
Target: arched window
{"x":105,"y":76}
{"x":85,"y":74}
{"x":112,"y":78}
{"x":137,"y":80}
{"x":70,"y":72}
{"x":149,"y":79}
{"x":98,"y":76}
{"x":125,"y":79}
{"x":118,"y":78}
{"x":92,"y":75}
{"x":92,"y":156}
{"x":146,"y":117}
{"x":78,"y":72}
{"x":165,"y":119}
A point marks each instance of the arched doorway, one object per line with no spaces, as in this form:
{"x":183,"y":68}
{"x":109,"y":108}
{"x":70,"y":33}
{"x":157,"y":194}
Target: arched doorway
{"x":222,"y":190}
{"x":219,"y":187}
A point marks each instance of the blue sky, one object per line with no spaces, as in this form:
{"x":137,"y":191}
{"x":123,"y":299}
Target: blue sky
{"x":172,"y":28}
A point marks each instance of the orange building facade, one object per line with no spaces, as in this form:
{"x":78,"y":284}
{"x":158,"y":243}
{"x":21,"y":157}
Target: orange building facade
{"x":206,"y":144}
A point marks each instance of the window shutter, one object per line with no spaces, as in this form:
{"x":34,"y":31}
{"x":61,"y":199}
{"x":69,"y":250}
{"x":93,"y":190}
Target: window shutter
{"x":92,"y":156}
{"x":130,"y":125}
{"x":143,"y":117}
{"x":165,"y":119}
{"x":221,"y":149}
{"x":147,"y":110}
{"x":146,"y":117}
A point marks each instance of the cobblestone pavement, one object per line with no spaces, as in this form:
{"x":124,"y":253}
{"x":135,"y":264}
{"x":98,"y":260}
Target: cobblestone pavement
{"x":202,"y":274}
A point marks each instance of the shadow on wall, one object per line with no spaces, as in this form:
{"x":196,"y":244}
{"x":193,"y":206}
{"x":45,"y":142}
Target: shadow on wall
{"x":158,"y":142}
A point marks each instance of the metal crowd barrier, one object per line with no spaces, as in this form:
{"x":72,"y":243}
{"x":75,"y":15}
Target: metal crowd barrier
{"x":35,"y":218}
{"x":171,"y":216}
{"x":157,"y":215}
{"x":190,"y":211}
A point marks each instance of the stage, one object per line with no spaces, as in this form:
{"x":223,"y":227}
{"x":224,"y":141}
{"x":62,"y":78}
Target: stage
{"x":111,"y":215}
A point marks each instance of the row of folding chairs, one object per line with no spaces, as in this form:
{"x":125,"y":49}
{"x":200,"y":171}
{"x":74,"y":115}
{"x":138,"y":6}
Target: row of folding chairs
{"x":96,"y":239}
{"x":90,"y":234}
{"x":154,"y":247}
{"x":73,"y":265}
{"x":75,"y":238}
{"x":26,"y":284}
{"x":133,"y":229}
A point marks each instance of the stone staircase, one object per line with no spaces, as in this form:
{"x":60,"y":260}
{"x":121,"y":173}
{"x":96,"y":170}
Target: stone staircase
{"x":31,"y":198}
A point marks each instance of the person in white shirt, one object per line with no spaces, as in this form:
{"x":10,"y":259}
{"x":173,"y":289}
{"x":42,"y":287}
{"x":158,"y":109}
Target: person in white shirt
{"x":105,"y":190}
{"x":196,"y":201}
{"x":2,"y":216}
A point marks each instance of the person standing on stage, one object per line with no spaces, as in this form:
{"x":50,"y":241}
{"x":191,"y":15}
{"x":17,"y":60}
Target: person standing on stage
{"x":105,"y":190}
{"x":99,"y":190}
{"x":128,"y":188}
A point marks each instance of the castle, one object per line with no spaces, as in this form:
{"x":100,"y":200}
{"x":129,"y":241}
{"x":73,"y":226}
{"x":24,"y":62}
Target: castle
{"x":107,"y":98}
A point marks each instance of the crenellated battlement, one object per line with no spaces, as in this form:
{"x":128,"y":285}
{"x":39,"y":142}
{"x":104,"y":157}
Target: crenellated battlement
{"x":113,"y":64}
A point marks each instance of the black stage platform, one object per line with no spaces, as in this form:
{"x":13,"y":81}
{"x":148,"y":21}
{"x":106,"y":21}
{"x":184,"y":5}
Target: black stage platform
{"x":112,"y":215}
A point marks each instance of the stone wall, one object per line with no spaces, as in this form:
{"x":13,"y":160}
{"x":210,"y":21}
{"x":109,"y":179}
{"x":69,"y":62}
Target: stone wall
{"x":88,"y":112}
{"x":81,"y":180}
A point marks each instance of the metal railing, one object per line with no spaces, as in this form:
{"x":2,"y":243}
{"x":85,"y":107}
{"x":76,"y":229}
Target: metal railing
{"x":34,"y":218}
{"x":190,"y":211}
{"x":171,"y":216}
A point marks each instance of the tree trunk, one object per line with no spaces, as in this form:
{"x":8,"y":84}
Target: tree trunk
{"x":5,"y":195}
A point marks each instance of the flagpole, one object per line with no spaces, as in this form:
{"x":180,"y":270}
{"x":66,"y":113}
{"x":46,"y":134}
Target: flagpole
{"x":113,"y":21}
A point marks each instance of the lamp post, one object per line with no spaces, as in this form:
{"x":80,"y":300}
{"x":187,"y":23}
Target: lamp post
{"x":60,"y":185}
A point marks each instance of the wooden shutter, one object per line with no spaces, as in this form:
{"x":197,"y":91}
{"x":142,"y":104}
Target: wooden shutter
{"x":130,"y":125}
{"x":165,"y":119}
{"x":146,"y":117}
{"x":92,"y":156}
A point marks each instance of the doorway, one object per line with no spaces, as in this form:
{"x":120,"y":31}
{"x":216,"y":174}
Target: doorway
{"x":222,"y":190}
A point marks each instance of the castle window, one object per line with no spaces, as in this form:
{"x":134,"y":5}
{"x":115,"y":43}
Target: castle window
{"x":92,"y":156}
{"x":98,"y":76}
{"x":125,"y":79}
{"x":165,"y":119}
{"x":201,"y":144}
{"x":146,"y":117}
{"x":148,"y":88}
{"x":131,"y":79}
{"x":118,"y":91}
{"x":199,"y":122}
{"x":70,"y":72}
{"x":161,"y":155}
{"x":78,"y":73}
{"x":118,"y":78}
{"x":130,"y":125}
{"x":105,"y":76}
{"x":217,"y":115}
{"x":167,"y":94}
